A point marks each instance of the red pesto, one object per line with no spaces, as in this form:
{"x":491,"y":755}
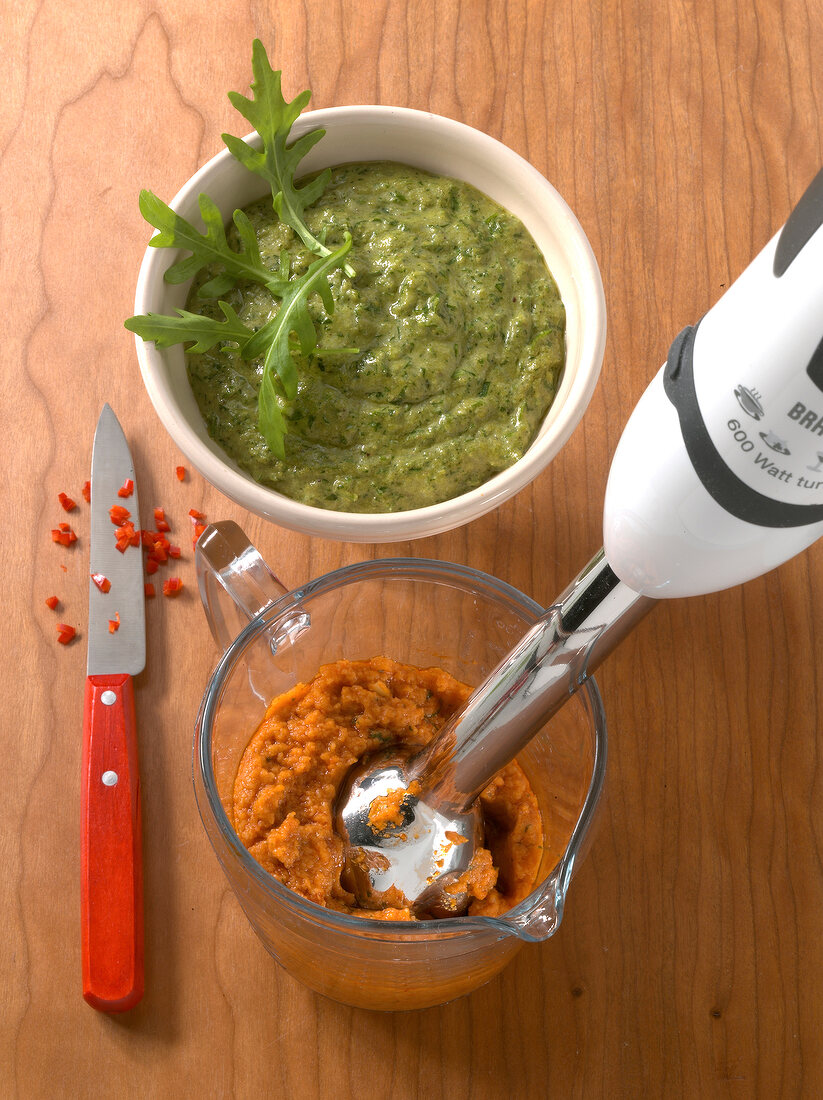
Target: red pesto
{"x":292,"y":768}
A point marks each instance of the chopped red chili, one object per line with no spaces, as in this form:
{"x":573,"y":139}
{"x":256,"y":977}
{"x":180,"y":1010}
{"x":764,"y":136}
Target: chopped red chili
{"x":119,"y":514}
{"x":103,"y":583}
{"x":174,"y":551}
{"x":198,"y":520}
{"x":126,"y":536}
{"x":126,"y":489}
{"x":114,"y":624}
{"x":148,"y":588}
{"x":52,"y":602}
{"x":65,"y":633}
{"x":67,"y":502}
{"x":181,"y":472}
{"x":156,"y":544}
{"x":87,"y":492}
{"x":151,"y":566}
{"x":172,"y":587}
{"x":160,"y":521}
{"x":63,"y":534}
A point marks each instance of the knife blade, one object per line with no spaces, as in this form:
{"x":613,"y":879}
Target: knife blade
{"x":111,"y":888}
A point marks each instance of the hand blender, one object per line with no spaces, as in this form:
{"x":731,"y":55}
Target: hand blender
{"x":717,"y":478}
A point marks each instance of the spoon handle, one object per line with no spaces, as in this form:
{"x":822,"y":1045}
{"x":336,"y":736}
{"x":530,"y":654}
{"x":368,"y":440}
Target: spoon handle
{"x":533,"y":681}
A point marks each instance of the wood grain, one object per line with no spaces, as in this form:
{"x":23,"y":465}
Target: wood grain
{"x":690,"y":960}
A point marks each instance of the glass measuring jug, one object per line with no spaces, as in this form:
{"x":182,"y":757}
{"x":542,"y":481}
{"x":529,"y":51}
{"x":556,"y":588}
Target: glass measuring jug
{"x":419,"y":612}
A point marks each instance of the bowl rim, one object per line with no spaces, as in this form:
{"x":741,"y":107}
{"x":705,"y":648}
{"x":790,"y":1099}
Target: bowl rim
{"x":561,"y":418}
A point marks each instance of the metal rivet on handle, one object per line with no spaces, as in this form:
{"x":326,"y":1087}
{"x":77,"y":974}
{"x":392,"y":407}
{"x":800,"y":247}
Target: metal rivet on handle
{"x":109,"y":778}
{"x":108,"y":697}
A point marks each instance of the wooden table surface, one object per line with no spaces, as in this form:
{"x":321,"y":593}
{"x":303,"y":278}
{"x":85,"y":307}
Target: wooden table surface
{"x":690,"y":959}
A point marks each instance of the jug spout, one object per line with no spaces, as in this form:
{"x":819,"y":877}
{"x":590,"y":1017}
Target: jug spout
{"x":235,"y":582}
{"x":535,"y":920}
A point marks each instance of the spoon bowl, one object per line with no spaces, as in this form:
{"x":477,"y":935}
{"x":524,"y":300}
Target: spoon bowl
{"x":400,"y":850}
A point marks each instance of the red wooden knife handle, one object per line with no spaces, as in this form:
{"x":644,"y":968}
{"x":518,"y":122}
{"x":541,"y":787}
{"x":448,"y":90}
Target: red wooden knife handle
{"x":111,"y":887}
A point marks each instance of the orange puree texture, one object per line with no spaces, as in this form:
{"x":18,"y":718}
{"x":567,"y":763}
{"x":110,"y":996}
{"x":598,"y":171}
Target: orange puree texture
{"x":294,"y":764}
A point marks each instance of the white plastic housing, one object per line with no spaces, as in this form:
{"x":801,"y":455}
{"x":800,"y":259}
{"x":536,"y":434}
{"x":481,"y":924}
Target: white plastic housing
{"x":665,"y":534}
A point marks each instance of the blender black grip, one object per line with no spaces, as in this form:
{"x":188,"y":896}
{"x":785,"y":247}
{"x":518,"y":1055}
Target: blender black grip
{"x":800,"y":227}
{"x":732,"y":493}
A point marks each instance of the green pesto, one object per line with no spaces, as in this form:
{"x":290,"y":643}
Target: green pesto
{"x":460,"y":333}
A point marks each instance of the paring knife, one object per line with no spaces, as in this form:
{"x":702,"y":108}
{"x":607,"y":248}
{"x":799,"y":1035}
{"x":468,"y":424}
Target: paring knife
{"x":111,"y":854}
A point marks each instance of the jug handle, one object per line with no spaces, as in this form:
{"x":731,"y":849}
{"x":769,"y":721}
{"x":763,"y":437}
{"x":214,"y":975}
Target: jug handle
{"x":235,"y":582}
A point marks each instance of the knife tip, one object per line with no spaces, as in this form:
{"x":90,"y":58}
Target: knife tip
{"x":107,"y":413}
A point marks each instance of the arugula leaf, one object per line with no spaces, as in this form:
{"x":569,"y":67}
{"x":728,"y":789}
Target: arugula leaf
{"x":272,"y":117}
{"x":209,"y":248}
{"x":272,"y":341}
{"x":185,"y":327}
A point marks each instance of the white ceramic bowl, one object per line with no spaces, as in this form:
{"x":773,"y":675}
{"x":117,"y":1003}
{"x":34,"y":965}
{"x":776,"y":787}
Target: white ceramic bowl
{"x":438,"y":145}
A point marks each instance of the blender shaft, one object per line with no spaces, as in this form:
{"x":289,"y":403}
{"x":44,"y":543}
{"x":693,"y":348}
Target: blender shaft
{"x":533,"y":681}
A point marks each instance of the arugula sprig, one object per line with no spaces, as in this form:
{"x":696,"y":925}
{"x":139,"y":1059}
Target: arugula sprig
{"x":199,"y":332}
{"x":211,"y":247}
{"x":273,"y":117}
{"x":271,"y":341}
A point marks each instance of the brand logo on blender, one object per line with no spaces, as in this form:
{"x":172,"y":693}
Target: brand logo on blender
{"x":807,"y":418}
